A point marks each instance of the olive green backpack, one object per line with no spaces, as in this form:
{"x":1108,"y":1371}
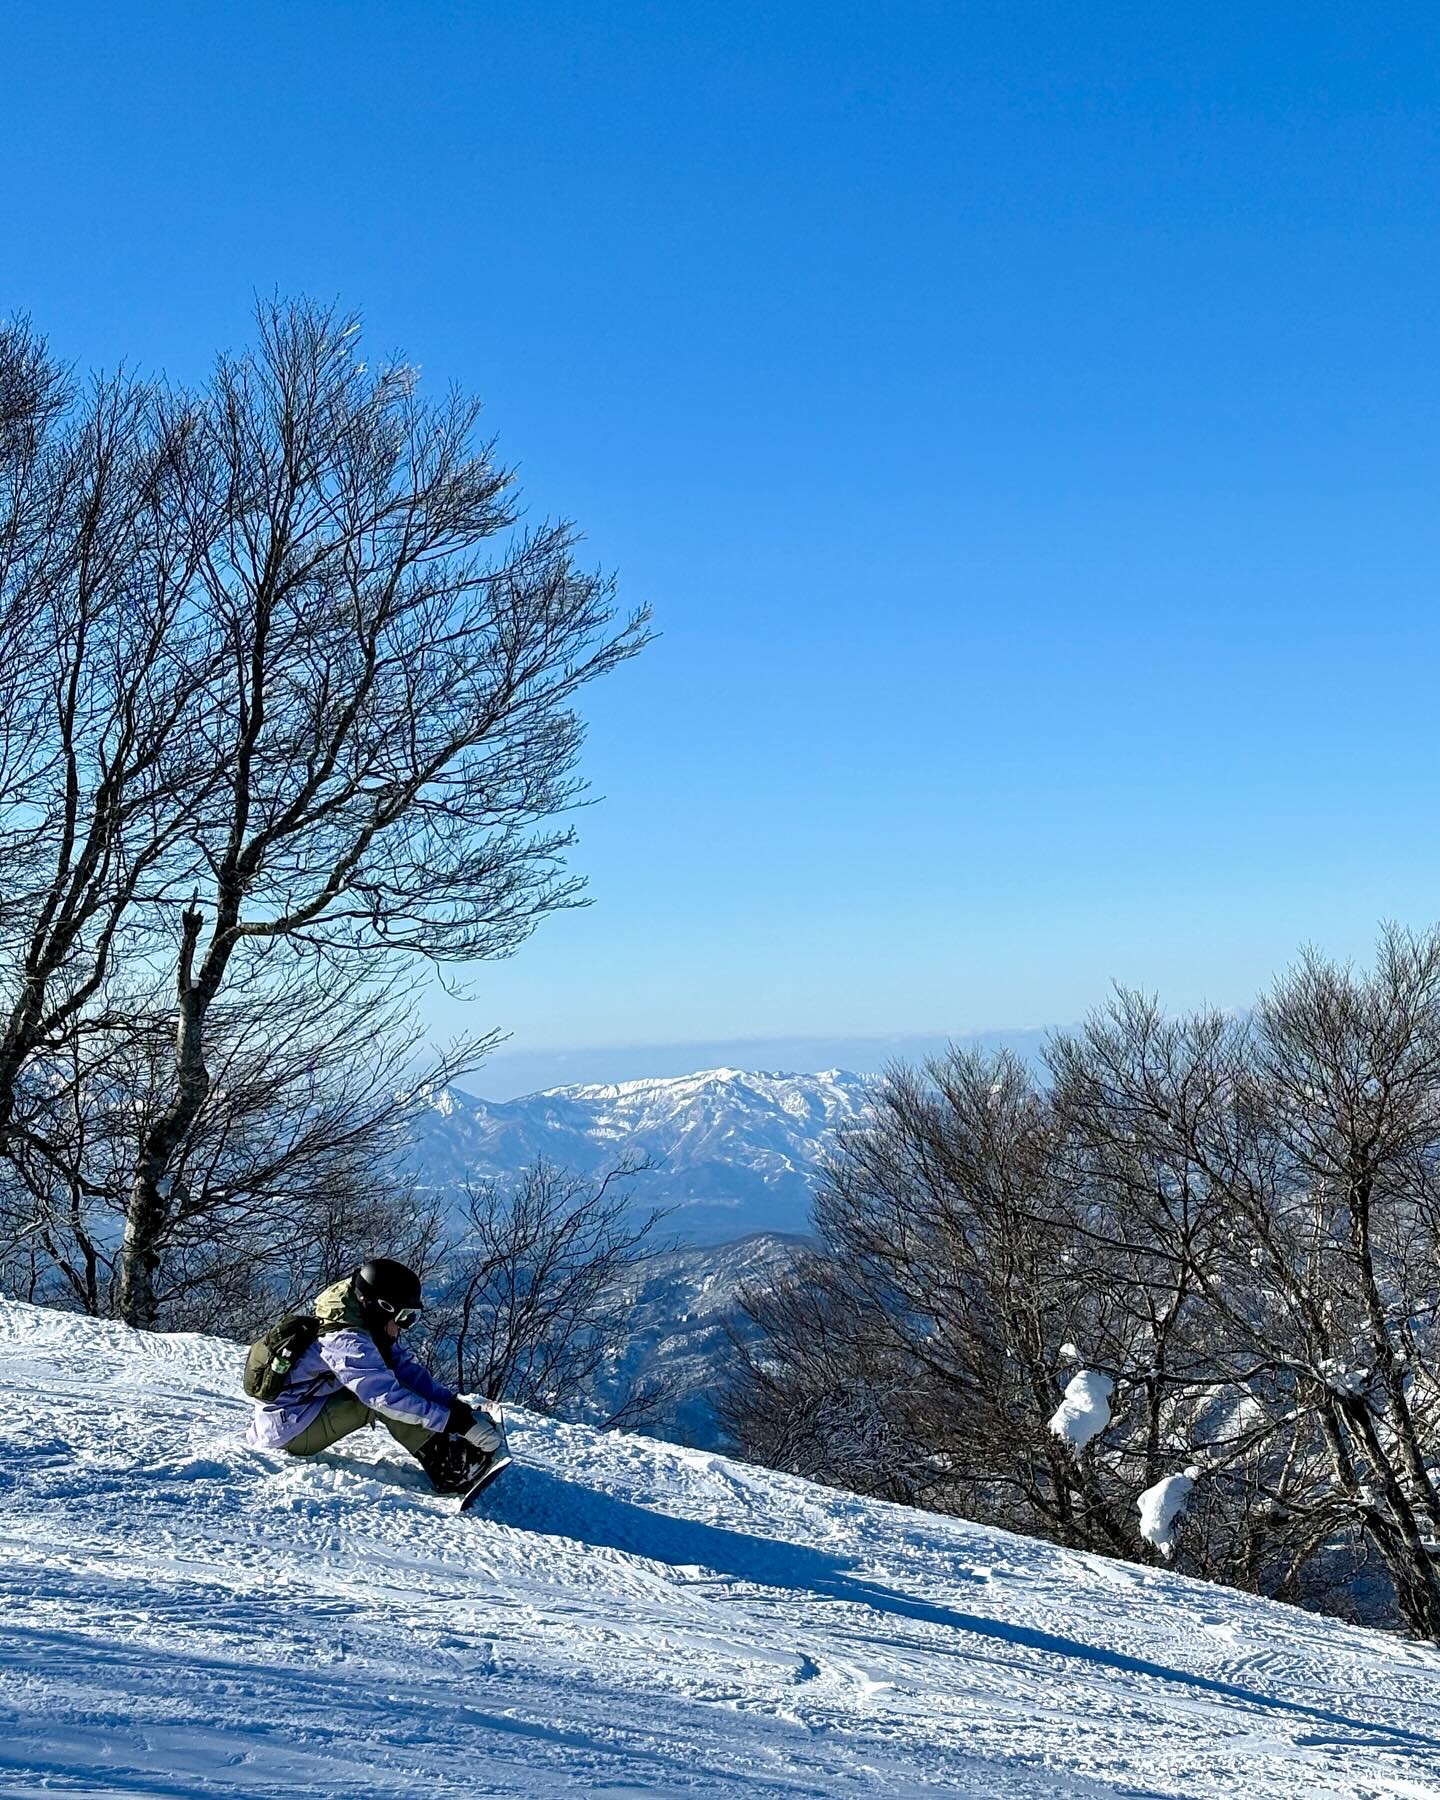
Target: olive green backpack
{"x":272,"y":1358}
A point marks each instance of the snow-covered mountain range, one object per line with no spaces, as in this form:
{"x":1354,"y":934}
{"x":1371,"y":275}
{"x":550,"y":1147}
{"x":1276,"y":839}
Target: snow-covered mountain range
{"x":183,"y":1616}
{"x":735,"y":1159}
{"x":734,"y":1152}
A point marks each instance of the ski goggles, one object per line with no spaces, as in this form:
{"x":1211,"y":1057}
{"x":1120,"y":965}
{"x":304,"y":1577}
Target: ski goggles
{"x":404,"y":1316}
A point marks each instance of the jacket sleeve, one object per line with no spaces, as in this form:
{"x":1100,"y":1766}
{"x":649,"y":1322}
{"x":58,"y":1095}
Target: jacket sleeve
{"x":354,"y":1360}
{"x":415,"y":1375}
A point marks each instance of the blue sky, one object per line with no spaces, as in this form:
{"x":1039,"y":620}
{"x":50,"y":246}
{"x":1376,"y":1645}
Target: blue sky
{"x":1022,"y":419}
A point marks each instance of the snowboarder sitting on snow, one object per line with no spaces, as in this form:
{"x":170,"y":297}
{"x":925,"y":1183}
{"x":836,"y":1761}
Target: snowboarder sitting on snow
{"x":351,"y":1369}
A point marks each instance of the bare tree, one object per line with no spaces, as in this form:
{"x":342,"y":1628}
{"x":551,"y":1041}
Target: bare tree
{"x":540,"y":1292}
{"x":1234,"y":1222}
{"x":285,"y":703}
{"x":1314,"y":1135}
{"x":101,"y":779}
{"x":100,"y":658}
{"x":392,"y":712}
{"x":1141,"y":1096}
{"x":33,"y":398}
{"x":295,"y":1167}
{"x":822,"y":1388}
{"x":954,"y":1210}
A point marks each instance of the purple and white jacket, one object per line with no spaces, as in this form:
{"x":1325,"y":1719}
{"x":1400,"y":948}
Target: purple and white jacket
{"x":402,"y":1388}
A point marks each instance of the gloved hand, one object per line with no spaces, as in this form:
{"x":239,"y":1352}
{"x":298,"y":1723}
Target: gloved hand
{"x":478,"y":1429}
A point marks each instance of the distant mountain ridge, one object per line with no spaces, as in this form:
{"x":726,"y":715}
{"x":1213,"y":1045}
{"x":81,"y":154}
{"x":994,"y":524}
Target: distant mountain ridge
{"x":687,"y":1303}
{"x":734,"y":1151}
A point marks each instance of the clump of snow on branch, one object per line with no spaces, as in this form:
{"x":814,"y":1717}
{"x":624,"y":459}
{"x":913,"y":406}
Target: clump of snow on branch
{"x":1085,"y":1411}
{"x":1341,"y":1378}
{"x":1161,"y":1509}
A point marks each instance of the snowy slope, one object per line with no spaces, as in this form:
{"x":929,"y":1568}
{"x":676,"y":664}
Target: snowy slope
{"x":734,"y":1152}
{"x":181,"y":1616}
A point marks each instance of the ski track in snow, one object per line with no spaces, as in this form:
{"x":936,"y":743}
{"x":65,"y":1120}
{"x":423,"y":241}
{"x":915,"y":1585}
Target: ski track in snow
{"x":182,"y":1616}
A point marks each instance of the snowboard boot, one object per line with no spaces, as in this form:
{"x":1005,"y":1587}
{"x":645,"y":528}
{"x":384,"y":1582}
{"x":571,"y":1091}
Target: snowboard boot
{"x":451,"y":1462}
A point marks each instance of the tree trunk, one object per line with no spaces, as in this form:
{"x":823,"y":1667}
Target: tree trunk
{"x":148,"y":1212}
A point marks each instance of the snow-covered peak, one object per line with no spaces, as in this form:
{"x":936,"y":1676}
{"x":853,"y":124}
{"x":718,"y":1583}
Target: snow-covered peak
{"x":180,"y":1615}
{"x":733,"y":1150}
{"x":653,"y":1089}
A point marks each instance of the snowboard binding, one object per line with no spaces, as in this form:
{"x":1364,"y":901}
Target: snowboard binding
{"x":496,"y":1462}
{"x":456,"y":1466}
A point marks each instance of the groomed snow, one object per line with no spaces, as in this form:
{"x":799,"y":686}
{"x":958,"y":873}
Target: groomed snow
{"x":182,"y":1616}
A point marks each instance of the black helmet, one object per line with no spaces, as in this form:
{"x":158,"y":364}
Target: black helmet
{"x":386,"y":1288}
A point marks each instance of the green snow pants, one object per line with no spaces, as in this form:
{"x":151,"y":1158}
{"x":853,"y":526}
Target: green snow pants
{"x":342,"y":1414}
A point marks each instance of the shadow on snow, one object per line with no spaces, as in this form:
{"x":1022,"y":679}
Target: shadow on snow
{"x":532,"y":1499}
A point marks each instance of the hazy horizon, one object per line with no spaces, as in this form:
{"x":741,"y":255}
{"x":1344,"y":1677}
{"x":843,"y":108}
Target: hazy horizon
{"x":509,"y":1075}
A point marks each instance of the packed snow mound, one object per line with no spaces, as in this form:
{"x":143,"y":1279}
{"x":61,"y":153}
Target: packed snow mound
{"x":183,"y":1616}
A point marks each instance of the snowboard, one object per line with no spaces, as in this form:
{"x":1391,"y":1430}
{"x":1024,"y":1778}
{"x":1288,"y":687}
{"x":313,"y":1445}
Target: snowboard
{"x":499,"y":1462}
